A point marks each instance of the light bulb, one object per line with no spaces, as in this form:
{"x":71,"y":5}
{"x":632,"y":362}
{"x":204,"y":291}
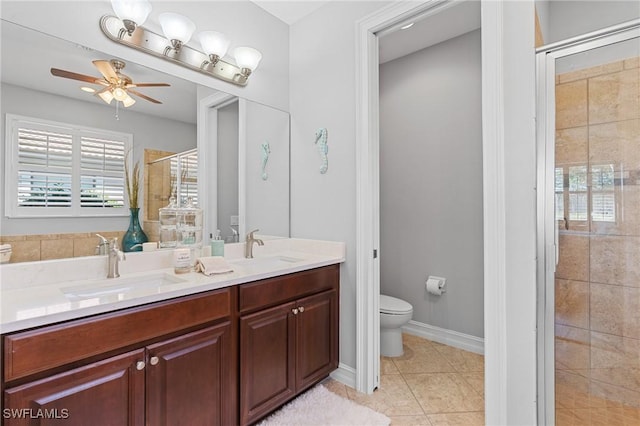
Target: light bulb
{"x":176,"y":27}
{"x":247,"y":58}
{"x":214,"y":43}
{"x":120,"y":94}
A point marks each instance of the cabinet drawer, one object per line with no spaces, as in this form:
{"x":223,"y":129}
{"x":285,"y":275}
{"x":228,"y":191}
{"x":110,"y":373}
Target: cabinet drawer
{"x":281,"y":289}
{"x":38,"y":350}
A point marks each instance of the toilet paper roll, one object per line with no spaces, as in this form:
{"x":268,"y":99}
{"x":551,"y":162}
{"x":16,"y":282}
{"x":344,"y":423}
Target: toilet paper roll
{"x":433,"y":286}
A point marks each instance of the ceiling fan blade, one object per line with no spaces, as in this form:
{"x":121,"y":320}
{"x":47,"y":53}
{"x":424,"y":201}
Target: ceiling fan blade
{"x":145,"y":97}
{"x":75,"y":76}
{"x":106,"y":69}
{"x":148,"y":85}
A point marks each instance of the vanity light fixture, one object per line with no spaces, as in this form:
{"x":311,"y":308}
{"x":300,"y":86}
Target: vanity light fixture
{"x":126,"y":29}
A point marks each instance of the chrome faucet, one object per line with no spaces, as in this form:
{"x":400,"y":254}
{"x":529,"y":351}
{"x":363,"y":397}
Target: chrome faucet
{"x":103,"y":246}
{"x":248,"y":245}
{"x":115,"y":255}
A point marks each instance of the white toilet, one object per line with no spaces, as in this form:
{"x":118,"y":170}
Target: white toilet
{"x":394,"y":313}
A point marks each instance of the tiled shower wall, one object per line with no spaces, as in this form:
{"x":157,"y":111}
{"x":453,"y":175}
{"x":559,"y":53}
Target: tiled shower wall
{"x":597,"y":292}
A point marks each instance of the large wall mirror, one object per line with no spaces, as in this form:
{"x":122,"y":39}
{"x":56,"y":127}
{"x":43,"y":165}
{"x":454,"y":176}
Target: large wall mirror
{"x":239,"y":149}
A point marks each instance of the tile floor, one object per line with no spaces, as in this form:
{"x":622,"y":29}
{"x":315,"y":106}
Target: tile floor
{"x":434,"y":384}
{"x":431,"y":384}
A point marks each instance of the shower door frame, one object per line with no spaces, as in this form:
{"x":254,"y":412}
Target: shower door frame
{"x":547,"y":234}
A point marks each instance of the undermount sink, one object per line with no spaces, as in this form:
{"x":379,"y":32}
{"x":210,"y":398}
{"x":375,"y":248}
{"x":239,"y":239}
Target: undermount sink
{"x":278,"y":261}
{"x":114,"y":286}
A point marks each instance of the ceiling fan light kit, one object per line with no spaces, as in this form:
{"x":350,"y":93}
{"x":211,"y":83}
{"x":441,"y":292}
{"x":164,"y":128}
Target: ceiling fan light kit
{"x":116,"y":85}
{"x":178,"y":30}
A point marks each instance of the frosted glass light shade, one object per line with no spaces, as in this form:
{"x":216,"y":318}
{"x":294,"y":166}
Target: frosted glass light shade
{"x":176,"y":26}
{"x":128,"y":101}
{"x":132,"y":10}
{"x":120,"y":94}
{"x":247,"y":57}
{"x":214,"y":43}
{"x":106,"y":96}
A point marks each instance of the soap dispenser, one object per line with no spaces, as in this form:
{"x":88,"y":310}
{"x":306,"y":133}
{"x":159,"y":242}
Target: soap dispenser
{"x":217,"y":244}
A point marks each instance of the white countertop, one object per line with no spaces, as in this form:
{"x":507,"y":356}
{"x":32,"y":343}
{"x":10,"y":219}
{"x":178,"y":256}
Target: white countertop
{"x":33,"y":293}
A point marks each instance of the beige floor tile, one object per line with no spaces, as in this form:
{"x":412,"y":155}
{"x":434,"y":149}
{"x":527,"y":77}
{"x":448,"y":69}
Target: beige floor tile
{"x":461,"y":360}
{"x":393,"y":397}
{"x":418,"y":344}
{"x":463,"y":419}
{"x":444,"y":393}
{"x":423,"y":360}
{"x":410,"y":421}
{"x":387,"y":366}
{"x":475,"y":380}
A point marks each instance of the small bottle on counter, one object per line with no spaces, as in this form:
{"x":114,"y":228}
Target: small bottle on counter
{"x":182,"y":260}
{"x":217,"y":244}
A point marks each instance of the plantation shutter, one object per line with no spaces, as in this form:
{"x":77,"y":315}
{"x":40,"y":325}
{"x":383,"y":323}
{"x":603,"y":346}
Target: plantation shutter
{"x":45,"y":160}
{"x":63,"y":170}
{"x":102,"y":172}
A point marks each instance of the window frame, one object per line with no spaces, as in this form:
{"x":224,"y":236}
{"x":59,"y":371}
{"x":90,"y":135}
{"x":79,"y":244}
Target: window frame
{"x":13,"y":210}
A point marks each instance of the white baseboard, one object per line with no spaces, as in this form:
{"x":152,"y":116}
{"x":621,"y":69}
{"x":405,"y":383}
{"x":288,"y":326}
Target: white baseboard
{"x":345,"y":375}
{"x":447,"y":337}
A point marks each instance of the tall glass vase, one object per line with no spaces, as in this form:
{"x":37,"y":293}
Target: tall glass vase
{"x":135,"y":236}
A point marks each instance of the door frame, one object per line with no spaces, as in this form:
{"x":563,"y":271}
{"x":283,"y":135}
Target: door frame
{"x":508,"y":381}
{"x":207,"y":145}
{"x":547,"y":235}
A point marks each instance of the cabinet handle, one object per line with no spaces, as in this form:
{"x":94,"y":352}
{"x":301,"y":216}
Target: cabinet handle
{"x":154,"y":360}
{"x":140,"y":365}
{"x":295,"y":311}
{"x":301,"y":309}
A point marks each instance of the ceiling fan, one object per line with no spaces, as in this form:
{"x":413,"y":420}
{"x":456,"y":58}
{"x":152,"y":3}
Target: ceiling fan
{"x":117,"y":85}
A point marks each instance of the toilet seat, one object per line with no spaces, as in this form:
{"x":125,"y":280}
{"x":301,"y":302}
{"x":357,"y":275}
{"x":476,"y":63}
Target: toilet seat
{"x":394,"y":306}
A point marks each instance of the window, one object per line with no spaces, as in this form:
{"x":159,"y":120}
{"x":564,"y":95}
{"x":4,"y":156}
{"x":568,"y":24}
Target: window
{"x":184,"y":173}
{"x":603,"y":193}
{"x":578,"y":193}
{"x":559,"y":190}
{"x":63,"y":170}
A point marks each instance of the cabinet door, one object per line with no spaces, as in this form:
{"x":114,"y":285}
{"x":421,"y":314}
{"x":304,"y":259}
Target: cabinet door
{"x":109,"y":392}
{"x":317,"y":338}
{"x":267,"y":351}
{"x":189,"y":379}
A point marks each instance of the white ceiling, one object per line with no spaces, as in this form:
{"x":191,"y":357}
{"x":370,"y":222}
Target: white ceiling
{"x":290,"y":11}
{"x":28,"y":56}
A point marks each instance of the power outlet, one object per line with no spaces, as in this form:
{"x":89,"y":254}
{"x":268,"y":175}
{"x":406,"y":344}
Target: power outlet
{"x":234,"y":220}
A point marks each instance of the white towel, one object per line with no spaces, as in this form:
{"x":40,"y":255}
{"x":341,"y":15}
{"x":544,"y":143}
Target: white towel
{"x":213,"y":265}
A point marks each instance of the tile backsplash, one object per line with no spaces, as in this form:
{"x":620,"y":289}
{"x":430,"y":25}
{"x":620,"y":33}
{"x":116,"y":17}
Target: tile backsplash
{"x":28,"y":248}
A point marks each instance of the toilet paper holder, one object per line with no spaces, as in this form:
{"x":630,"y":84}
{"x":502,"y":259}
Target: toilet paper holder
{"x":435,"y":285}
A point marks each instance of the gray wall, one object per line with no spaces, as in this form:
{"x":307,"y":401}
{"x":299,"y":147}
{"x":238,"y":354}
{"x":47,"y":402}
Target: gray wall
{"x":322,"y":88}
{"x":227,"y":167}
{"x":148,"y":132}
{"x":431,"y":182}
{"x":568,"y":19}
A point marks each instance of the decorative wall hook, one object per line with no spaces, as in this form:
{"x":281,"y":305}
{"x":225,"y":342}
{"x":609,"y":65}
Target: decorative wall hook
{"x":323,"y":148}
{"x":266,"y":150}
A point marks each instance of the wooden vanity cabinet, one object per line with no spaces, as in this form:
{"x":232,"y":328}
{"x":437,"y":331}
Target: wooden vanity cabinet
{"x":221,"y":357}
{"x":185,"y":378}
{"x":286,"y":348}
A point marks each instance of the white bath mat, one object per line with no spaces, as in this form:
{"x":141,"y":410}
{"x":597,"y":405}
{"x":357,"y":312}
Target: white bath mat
{"x":321,"y":407}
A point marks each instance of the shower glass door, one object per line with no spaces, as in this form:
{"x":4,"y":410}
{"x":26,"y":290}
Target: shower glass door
{"x":592,"y":232}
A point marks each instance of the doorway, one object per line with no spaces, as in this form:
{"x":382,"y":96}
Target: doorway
{"x":589,"y":238}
